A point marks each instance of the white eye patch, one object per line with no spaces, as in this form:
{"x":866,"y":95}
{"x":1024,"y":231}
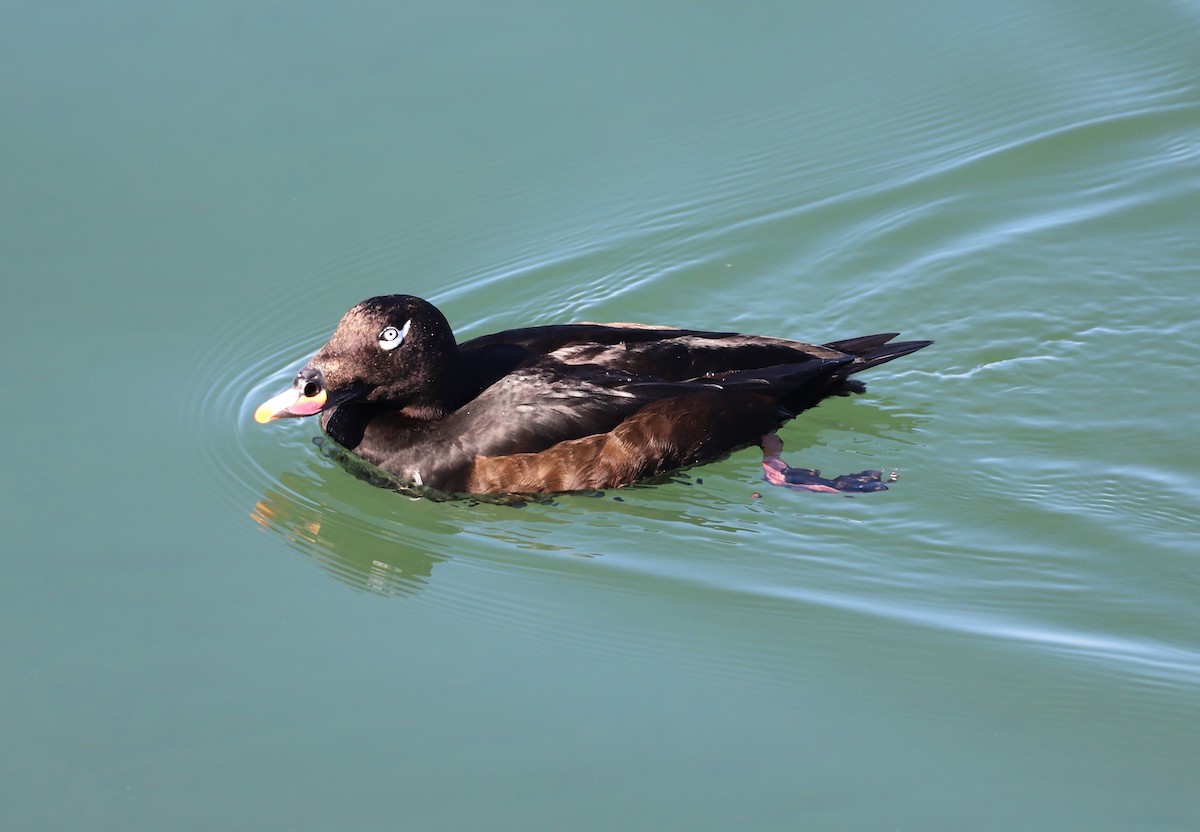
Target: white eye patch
{"x":391,"y":337}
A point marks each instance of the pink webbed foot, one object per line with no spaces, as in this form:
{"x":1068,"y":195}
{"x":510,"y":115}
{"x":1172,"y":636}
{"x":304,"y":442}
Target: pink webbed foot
{"x":778,"y":472}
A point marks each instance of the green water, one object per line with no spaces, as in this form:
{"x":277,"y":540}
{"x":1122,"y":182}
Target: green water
{"x":209,"y":625}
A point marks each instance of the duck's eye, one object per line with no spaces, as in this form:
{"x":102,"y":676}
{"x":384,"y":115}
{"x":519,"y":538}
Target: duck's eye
{"x":391,"y":337}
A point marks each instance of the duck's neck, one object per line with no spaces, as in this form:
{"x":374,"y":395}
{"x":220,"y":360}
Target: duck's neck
{"x":371,"y":429}
{"x":444,"y":389}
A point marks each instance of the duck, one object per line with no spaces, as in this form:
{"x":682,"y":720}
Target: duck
{"x":567,"y":407}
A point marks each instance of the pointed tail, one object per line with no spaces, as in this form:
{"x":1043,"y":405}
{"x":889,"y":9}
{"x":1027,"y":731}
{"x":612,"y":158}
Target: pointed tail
{"x":873,"y":350}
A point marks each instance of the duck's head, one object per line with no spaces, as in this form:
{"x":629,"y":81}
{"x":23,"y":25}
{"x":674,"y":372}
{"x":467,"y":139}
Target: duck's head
{"x":393,"y":349}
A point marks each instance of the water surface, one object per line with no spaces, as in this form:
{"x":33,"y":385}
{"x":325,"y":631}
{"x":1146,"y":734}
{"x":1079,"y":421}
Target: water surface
{"x":212,"y":625}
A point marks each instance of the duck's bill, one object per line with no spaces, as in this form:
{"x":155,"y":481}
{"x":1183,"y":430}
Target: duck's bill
{"x":290,"y":403}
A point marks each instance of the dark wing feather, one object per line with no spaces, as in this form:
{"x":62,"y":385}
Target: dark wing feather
{"x":536,"y":407}
{"x":663,"y":353}
{"x":664,"y":425}
{"x":526,"y":411}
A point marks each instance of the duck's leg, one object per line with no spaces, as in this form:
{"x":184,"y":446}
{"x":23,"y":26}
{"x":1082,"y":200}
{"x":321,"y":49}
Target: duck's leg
{"x":778,"y":472}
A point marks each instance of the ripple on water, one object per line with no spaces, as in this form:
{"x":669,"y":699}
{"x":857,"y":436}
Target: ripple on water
{"x":709,"y":536}
{"x":990,"y":534}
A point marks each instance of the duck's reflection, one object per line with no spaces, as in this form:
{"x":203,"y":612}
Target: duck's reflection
{"x":368,"y":555}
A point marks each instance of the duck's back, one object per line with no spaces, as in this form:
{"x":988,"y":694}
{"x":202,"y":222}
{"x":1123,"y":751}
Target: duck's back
{"x":663,"y":353}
